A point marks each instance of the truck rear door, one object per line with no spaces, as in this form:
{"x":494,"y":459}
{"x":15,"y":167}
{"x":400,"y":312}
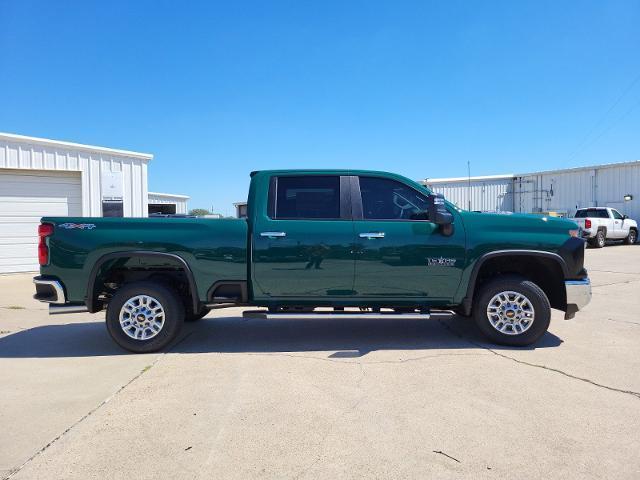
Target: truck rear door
{"x":302,"y":245}
{"x":401,"y":256}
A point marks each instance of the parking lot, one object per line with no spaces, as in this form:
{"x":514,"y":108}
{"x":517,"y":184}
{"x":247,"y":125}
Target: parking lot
{"x":238,"y":398}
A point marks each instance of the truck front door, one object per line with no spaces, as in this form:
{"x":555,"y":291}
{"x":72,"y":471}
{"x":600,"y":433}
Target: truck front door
{"x":620,"y":227}
{"x":302,"y":244}
{"x":400,"y":255}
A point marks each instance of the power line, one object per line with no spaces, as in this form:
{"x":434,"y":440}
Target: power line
{"x":586,"y":140}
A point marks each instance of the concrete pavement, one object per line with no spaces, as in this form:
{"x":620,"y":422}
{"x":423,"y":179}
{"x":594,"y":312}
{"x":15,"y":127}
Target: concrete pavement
{"x":242,"y":398}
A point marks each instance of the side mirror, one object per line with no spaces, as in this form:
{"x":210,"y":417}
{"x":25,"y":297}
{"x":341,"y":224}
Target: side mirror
{"x":437,"y":211}
{"x":438,"y":214}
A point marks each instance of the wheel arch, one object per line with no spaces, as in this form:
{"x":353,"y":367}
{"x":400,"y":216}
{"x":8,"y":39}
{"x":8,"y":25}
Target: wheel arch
{"x":531,"y":264}
{"x":91,"y":298}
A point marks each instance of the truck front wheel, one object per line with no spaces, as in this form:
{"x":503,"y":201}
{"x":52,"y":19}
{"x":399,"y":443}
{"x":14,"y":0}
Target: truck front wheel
{"x":144,"y":317}
{"x":511,"y":310}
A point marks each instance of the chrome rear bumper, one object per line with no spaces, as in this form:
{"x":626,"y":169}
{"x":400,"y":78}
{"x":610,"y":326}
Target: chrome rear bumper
{"x":49,"y":291}
{"x":578,"y":296}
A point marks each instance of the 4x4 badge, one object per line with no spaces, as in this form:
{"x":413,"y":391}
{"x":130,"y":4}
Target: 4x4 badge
{"x":441,"y":261}
{"x":80,"y":226}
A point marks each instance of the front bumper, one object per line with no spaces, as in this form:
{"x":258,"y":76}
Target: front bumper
{"x":578,"y":296}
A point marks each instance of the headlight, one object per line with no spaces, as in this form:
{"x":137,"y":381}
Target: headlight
{"x":573,"y":233}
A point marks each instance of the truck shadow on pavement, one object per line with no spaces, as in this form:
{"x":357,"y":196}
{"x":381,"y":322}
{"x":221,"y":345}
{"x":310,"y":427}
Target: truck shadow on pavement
{"x":346,"y":338}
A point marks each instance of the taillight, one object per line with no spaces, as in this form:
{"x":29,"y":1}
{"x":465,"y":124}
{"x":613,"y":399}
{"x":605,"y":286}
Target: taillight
{"x":44,"y":230}
{"x":587,"y":223}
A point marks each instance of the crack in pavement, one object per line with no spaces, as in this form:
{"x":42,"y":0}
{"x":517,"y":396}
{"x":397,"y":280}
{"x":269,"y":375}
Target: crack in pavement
{"x":614,"y":283}
{"x":623,"y":321}
{"x":14,"y":471}
{"x":543,"y":367}
{"x":612,"y":271}
{"x":370,"y":362}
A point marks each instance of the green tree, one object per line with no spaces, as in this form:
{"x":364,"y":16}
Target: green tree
{"x":199,"y":212}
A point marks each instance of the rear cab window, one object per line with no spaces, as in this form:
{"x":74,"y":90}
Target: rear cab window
{"x":305,"y":197}
{"x":592,"y":213}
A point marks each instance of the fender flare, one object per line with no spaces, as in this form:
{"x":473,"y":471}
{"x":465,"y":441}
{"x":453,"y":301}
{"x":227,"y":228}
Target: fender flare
{"x":89,"y":300}
{"x":467,"y":301}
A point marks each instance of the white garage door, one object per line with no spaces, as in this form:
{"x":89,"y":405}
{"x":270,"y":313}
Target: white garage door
{"x":25,"y":196}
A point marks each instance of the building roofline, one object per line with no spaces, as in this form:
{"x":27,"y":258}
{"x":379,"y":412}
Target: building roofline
{"x":77,"y":146}
{"x":169,"y":195}
{"x":429,"y":181}
{"x":577,"y":169}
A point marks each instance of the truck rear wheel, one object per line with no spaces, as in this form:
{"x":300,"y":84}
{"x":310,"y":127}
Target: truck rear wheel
{"x":511,"y":310}
{"x":144,"y":317}
{"x":600,"y":240}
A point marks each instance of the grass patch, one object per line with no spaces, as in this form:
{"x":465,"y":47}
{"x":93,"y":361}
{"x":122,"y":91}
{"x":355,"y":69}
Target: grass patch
{"x":145,"y":369}
{"x":15,"y":307}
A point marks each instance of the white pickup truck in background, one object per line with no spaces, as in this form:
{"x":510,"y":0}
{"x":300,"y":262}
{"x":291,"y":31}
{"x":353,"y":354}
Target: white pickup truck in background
{"x":599,"y":224}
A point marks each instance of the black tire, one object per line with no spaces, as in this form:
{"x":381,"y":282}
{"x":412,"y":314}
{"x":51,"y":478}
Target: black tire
{"x":173,"y":318}
{"x":600,"y":240}
{"x":537,"y":299}
{"x":632,"y":237}
{"x":192,"y":317}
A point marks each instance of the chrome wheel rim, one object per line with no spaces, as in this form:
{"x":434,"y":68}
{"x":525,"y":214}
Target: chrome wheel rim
{"x":511,"y":313}
{"x":142,"y":317}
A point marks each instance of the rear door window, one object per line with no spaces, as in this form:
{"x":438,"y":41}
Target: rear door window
{"x":307,"y":197}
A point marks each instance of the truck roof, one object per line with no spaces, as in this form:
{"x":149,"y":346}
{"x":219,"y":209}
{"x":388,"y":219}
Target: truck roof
{"x":328,"y":171}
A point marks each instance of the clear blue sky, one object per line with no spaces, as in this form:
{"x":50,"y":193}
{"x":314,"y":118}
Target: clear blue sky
{"x":217,"y":89}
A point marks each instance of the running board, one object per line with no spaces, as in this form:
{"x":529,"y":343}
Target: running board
{"x":62,"y":309}
{"x":266,"y":315}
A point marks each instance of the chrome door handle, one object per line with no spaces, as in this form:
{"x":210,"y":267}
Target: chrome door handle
{"x":372,"y":235}
{"x":273,"y":234}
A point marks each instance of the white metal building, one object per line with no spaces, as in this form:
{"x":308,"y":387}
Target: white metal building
{"x":167,"y":203}
{"x":41,"y":177}
{"x":563,"y":191}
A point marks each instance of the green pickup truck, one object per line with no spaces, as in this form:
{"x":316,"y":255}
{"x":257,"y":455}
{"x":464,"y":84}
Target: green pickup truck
{"x":316,"y":243}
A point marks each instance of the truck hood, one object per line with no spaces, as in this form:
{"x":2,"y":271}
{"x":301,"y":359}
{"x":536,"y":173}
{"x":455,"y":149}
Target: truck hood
{"x":488,"y":232}
{"x":519,"y":222}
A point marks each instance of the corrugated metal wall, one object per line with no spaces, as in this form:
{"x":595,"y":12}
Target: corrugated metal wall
{"x":491,"y":195}
{"x":36,"y":156}
{"x":561,"y":191}
{"x":566,"y":191}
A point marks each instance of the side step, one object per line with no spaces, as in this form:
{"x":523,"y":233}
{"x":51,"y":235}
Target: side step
{"x":266,"y":315}
{"x":55,"y":309}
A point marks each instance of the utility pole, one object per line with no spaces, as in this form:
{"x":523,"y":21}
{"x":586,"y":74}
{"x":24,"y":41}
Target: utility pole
{"x":469,"y":183}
